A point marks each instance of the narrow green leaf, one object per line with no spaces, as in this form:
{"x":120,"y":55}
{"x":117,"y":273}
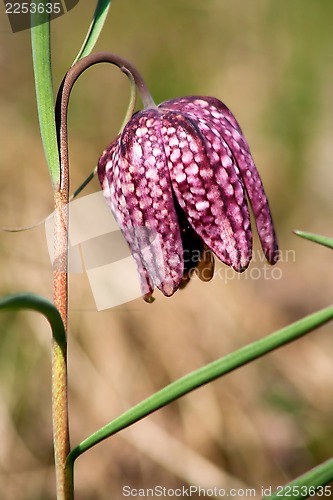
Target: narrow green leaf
{"x":41,"y":56}
{"x":204,"y":375}
{"x":316,"y":238}
{"x":305,"y":486}
{"x":37,"y":303}
{"x":95,"y":28}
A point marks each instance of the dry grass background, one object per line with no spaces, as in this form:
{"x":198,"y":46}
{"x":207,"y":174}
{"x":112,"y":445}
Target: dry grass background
{"x":271,"y":62}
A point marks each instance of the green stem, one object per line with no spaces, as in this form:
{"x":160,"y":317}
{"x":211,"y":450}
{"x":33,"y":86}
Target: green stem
{"x":41,"y":49}
{"x":202,"y":376}
{"x":316,"y":238}
{"x":84,"y":184}
{"x":95,"y":28}
{"x":59,"y":381}
{"x":305,"y":486}
{"x":60,"y":277}
{"x":56,"y":154}
{"x":36,"y":303}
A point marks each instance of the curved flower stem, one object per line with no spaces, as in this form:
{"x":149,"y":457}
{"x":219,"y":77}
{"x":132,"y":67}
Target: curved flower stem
{"x":62,"y":189}
{"x":129,"y":113}
{"x":65,"y":90}
{"x":60,"y":277}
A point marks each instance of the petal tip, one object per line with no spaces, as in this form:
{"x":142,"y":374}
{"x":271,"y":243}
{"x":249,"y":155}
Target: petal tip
{"x":148,"y":297}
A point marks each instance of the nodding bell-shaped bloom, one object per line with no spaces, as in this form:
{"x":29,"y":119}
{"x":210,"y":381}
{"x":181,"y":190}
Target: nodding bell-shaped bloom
{"x":177,"y":180}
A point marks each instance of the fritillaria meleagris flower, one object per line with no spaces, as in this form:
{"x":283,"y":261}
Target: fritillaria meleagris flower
{"x":176,"y":179}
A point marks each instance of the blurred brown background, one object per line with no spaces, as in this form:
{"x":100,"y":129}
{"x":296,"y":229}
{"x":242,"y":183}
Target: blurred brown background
{"x":271,"y":63}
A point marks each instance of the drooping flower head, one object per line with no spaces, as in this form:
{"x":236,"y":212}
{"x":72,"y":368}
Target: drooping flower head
{"x":177,"y":180}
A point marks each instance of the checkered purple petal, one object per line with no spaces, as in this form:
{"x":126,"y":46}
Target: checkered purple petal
{"x":212,"y":116}
{"x":135,"y":178}
{"x":208,"y":189}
